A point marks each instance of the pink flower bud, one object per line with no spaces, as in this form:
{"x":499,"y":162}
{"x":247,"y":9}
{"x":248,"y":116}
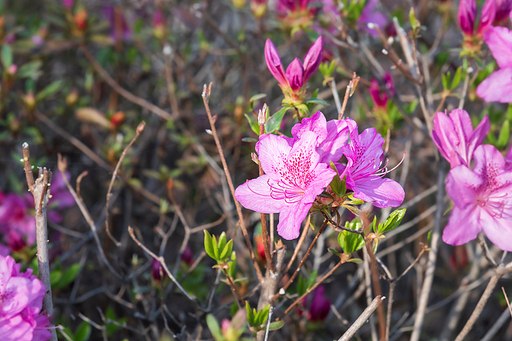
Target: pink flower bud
{"x":157,"y":271}
{"x":467,"y":14}
{"x":295,"y":74}
{"x":313,"y":58}
{"x":187,"y":256}
{"x":503,"y":9}
{"x":274,"y":63}
{"x":487,"y":18}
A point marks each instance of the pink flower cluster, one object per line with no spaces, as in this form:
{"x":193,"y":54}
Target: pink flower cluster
{"x":482,"y":194}
{"x":17,"y":222}
{"x":21,"y":299}
{"x":297,"y":170}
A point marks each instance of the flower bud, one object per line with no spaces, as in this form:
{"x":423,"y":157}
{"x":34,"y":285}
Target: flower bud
{"x":313,"y":59}
{"x":487,"y":18}
{"x":503,"y":9}
{"x":274,"y":63}
{"x":12,"y":69}
{"x":30,"y":101}
{"x":117,"y":118}
{"x":295,"y":74}
{"x":68,"y":4}
{"x":80,"y":19}
{"x":158,"y":25}
{"x":157,"y":270}
{"x":467,"y":14}
{"x":72,"y":98}
{"x":258,"y":8}
{"x":239,"y":3}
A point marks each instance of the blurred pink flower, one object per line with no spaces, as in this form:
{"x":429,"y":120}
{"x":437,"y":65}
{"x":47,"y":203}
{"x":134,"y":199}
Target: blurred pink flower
{"x":21,"y":295}
{"x":16,"y":223}
{"x":498,"y":86}
{"x":455,"y":138}
{"x":297,"y":74}
{"x":371,"y":15}
{"x":115,"y":19}
{"x":60,"y":197}
{"x":380,"y":98}
{"x":482,"y":200}
{"x":318,"y":305}
{"x":503,"y":9}
{"x":157,"y":270}
{"x":364,"y":172}
{"x":187,"y":256}
{"x":292,"y":180}
{"x":68,"y":3}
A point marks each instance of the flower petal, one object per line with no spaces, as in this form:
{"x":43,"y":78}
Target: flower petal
{"x":295,"y":74}
{"x":382,"y":192}
{"x":313,"y":58}
{"x":498,"y":228}
{"x":272,"y":151}
{"x":255,"y":195}
{"x":497,"y":87}
{"x":499,"y":40}
{"x":290,"y":219}
{"x":274,"y":63}
{"x":462,"y":227}
{"x":462,"y":185}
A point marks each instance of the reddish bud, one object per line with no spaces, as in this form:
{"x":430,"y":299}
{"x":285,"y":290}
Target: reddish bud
{"x":80,"y":19}
{"x":487,"y":18}
{"x":467,"y":14}
{"x":117,"y":118}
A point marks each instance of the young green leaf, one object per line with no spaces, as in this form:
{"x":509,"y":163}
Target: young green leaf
{"x":456,"y":78}
{"x":504,"y":135}
{"x":6,"y":55}
{"x":253,"y":124}
{"x":276,"y":325}
{"x":392,"y":222}
{"x":351,"y":241}
{"x":214,"y":327}
{"x":274,"y":122}
{"x":208,"y":247}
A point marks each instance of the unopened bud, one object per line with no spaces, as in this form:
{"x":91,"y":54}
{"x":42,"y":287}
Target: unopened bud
{"x":117,"y":118}
{"x":140,"y":127}
{"x":255,"y":159}
{"x":262,"y":114}
{"x":30,"y":101}
{"x":72,"y":98}
{"x":12,"y":69}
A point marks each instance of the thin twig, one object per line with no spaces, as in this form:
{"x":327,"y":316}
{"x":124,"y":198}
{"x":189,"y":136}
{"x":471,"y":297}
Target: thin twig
{"x":485,"y":250}
{"x":351,"y":87}
{"x":120,"y":90}
{"x":506,"y":299}
{"x":138,"y":131}
{"x":290,"y":281}
{"x":342,"y":261}
{"x":361,"y":320}
{"x":300,"y":242}
{"x":162,"y":262}
{"x":206,"y":95}
{"x":233,"y":288}
{"x":62,"y":165}
{"x":39,"y":189}
{"x":335,"y":95}
{"x":479,"y":307}
{"x":432,"y":257}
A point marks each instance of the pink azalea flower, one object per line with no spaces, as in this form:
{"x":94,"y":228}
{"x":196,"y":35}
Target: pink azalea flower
{"x":60,"y":197}
{"x":21,"y":295}
{"x":293,"y":178}
{"x":4,"y":250}
{"x":68,"y":3}
{"x":363,"y":170}
{"x":483,"y":200}
{"x":487,"y":17}
{"x":380,"y":98}
{"x":332,"y":135}
{"x":371,"y":15}
{"x":157,"y":270}
{"x":455,"y":138}
{"x":319,"y":305}
{"x":297,"y":74}
{"x":17,"y":224}
{"x":498,"y":86}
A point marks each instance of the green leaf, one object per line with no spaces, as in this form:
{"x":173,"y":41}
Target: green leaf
{"x":68,"y":276}
{"x":316,"y":101}
{"x":221,"y":244}
{"x":392,"y":222}
{"x":208,"y":247}
{"x":337,"y":185}
{"x":30,"y":69}
{"x":226,"y":252}
{"x":334,"y":252}
{"x":51,"y":89}
{"x":351,"y":241}
{"x":250,"y":315}
{"x":444,"y":80}
{"x":83,"y":332}
{"x":253,"y":124}
{"x":262,"y":315}
{"x":249,"y":139}
{"x":232,"y":264}
{"x":257,"y":97}
{"x":274,"y":122}
{"x":215,"y":246}
{"x":55,"y":277}
{"x":276,"y":325}
{"x":214,"y":327}
{"x":6,"y":55}
{"x":504,"y":135}
{"x":456,"y":78}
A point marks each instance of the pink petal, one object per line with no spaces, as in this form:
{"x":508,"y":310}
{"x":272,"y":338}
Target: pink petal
{"x":462,"y":185}
{"x":498,"y":228}
{"x":488,"y":162}
{"x":381,"y":191}
{"x":313,"y":59}
{"x":316,"y":123}
{"x":290,"y":219}
{"x":274,"y":63}
{"x":497,"y":87}
{"x":272,"y":151}
{"x":255,"y":195}
{"x":508,"y":160}
{"x":15,"y":329}
{"x":295,"y":74}
{"x":467,"y":14}
{"x":462,"y":227}
{"x":322,"y":177}
{"x":499,"y":40}
{"x":487,"y":17}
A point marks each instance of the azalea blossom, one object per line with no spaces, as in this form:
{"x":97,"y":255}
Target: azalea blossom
{"x":482,"y":200}
{"x":467,"y":16}
{"x":498,"y":86}
{"x":455,"y":138}
{"x":297,"y":74}
{"x":503,"y":9}
{"x":293,"y":178}
{"x":332,"y":135}
{"x":380,"y":98}
{"x":21,"y":295}
{"x":17,"y":224}
{"x":363,"y":169}
{"x":318,"y":305}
